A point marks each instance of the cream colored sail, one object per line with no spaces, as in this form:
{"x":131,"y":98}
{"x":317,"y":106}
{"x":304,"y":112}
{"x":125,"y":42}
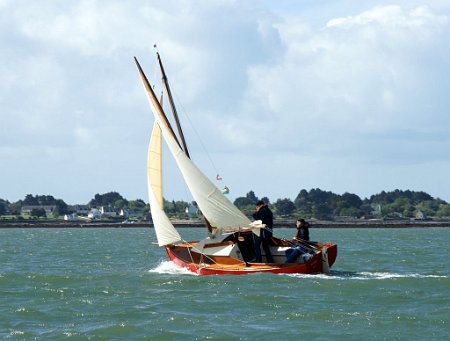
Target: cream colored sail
{"x":217,"y":209}
{"x":165,"y":231}
{"x":154,"y":163}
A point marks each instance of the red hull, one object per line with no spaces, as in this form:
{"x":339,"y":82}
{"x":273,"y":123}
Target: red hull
{"x":230,"y":266}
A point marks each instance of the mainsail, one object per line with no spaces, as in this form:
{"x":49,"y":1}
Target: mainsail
{"x":165,"y":231}
{"x":217,"y":209}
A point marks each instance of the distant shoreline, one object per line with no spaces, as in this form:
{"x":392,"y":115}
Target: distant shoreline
{"x":195,"y":223}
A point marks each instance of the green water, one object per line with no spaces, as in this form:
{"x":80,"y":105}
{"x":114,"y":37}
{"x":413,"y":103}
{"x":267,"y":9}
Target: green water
{"x":113,"y":284}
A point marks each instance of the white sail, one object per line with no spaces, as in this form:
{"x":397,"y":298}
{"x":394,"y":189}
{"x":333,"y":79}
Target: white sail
{"x":216,"y":208}
{"x":165,"y":231}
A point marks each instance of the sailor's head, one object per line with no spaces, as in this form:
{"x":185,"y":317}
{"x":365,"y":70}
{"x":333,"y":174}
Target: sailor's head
{"x":260,"y":203}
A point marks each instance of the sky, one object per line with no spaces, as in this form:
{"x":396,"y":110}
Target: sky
{"x":275,"y":96}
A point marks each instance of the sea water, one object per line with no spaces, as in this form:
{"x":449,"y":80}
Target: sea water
{"x":115,"y":284}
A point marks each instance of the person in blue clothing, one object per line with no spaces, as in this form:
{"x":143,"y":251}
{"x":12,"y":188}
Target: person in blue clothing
{"x":264,"y":214}
{"x":299,"y":249}
{"x":296,"y":251}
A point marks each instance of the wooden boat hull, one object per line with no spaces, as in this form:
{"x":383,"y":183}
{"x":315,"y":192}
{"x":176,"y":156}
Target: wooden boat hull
{"x":183,"y":255}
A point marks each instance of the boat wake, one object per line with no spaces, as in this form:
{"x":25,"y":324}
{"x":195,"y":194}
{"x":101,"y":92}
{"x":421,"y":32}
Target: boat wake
{"x":389,"y":275}
{"x":168,"y":267}
{"x":343,"y":275}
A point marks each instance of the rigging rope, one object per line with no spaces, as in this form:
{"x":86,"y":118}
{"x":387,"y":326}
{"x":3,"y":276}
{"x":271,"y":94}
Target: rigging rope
{"x":155,"y":69}
{"x":201,"y":254}
{"x":196,"y":133}
{"x":185,"y":114}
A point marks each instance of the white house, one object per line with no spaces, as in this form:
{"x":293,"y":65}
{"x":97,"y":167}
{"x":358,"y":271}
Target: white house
{"x":94,"y":214}
{"x":376,"y":209}
{"x":79,"y":209}
{"x":191,"y":210}
{"x":108,"y":211}
{"x":71,"y":217}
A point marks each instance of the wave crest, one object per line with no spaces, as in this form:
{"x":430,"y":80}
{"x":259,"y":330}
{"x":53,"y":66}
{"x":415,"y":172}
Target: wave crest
{"x":169,"y":267}
{"x":365,"y":275}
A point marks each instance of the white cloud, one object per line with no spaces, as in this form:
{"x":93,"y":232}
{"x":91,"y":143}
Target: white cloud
{"x":393,"y":17}
{"x":358,"y":95}
{"x":352,"y":78}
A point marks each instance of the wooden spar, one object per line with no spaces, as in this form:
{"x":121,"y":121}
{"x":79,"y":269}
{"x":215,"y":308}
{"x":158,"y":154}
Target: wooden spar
{"x":154,"y":100}
{"x":172,"y":105}
{"x":161,"y":160}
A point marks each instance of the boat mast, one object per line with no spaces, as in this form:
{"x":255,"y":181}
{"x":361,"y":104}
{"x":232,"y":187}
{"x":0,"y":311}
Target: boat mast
{"x":172,"y":105}
{"x":177,"y":120}
{"x":154,"y":100}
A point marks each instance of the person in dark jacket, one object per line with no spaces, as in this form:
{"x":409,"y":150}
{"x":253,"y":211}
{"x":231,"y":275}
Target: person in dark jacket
{"x":264,"y":214}
{"x":302,"y":230}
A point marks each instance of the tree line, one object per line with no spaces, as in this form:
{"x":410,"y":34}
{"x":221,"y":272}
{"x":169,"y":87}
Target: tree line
{"x":314,"y":203}
{"x":110,"y":199}
{"x":327,"y":205}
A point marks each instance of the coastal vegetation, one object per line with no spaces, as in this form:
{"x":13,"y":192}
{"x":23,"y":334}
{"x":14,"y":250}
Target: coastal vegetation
{"x":315,"y":203}
{"x":327,"y":205}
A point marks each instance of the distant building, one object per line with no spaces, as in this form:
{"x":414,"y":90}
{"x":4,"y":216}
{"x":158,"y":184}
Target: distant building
{"x":50,"y":210}
{"x":421,"y":215}
{"x":376,"y":210}
{"x":191,"y":210}
{"x":71,"y":217}
{"x":107,"y":211}
{"x":79,"y":209}
{"x":124,"y":213}
{"x":94,"y":214}
{"x":133,"y":214}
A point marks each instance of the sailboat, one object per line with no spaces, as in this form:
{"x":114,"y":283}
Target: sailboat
{"x":228,"y":246}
